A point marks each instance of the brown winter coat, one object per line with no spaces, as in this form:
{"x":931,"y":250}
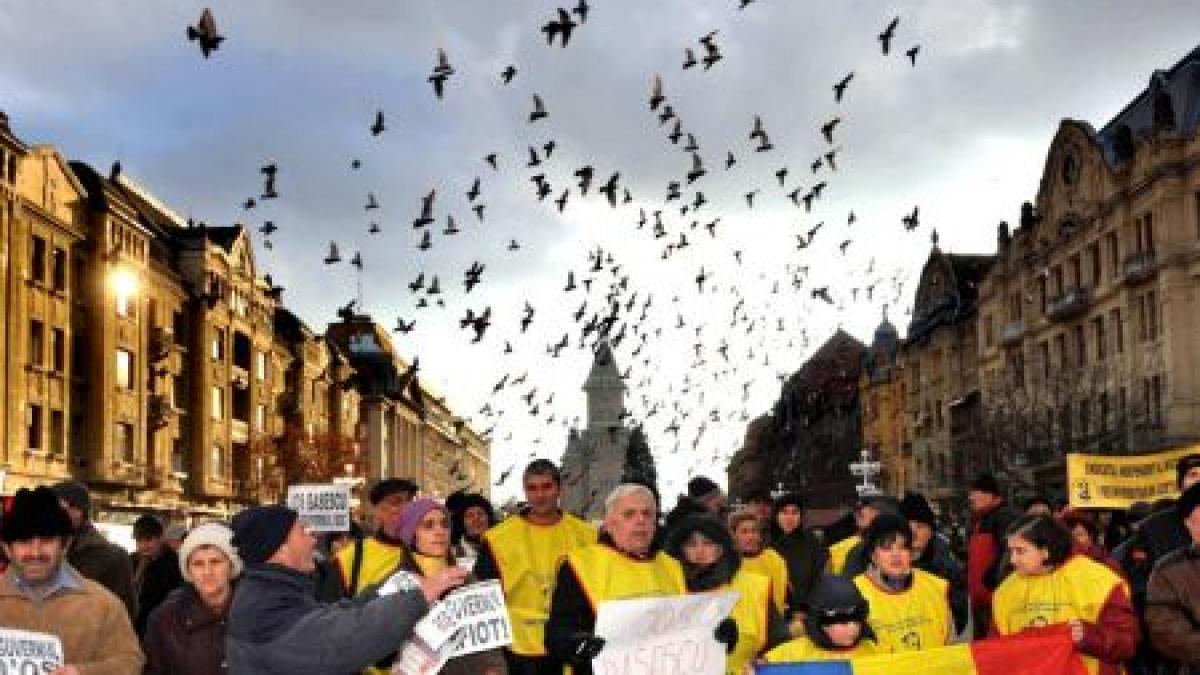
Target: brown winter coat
{"x":95,"y":631}
{"x":1173,"y":606}
{"x":185,"y":637}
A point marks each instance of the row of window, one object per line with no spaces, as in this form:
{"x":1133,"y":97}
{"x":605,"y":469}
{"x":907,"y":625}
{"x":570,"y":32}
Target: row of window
{"x":48,"y":269}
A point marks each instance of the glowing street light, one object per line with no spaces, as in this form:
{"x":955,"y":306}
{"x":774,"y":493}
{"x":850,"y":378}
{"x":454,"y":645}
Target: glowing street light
{"x":124,"y":282}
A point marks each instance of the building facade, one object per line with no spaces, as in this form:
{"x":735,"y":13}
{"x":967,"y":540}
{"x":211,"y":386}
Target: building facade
{"x":882,"y":392}
{"x":1088,"y":322}
{"x":148,"y":356}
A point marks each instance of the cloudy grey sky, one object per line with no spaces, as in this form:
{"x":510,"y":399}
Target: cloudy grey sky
{"x":963,"y":135}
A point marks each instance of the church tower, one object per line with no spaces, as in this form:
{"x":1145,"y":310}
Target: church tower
{"x":605,"y":391}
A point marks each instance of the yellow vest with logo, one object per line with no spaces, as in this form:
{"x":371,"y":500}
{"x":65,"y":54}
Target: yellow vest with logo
{"x":804,"y":649}
{"x":528,"y":556}
{"x":750,"y":613}
{"x":840,"y":551}
{"x":1078,"y":589}
{"x":379,"y":561}
{"x":911,"y":620}
{"x":772,"y":566}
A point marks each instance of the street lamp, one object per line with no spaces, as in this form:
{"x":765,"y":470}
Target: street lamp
{"x":124,"y":282}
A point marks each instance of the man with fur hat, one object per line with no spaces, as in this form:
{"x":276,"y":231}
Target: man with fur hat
{"x":90,"y":553}
{"x":41,"y":592}
{"x":1173,"y":597}
{"x":278,"y":627}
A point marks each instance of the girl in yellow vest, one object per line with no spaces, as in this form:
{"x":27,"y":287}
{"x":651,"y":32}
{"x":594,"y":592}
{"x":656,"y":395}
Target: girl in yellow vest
{"x":1051,"y":585}
{"x":748,"y":537}
{"x":424,"y":529}
{"x":910,"y":608}
{"x":835,"y":626}
{"x":705,"y":550}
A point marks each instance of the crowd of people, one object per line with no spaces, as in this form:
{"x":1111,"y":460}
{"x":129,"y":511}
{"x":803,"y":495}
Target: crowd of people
{"x":263,"y":595}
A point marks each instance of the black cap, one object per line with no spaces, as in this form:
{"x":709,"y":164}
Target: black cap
{"x":916,"y":508}
{"x":390,"y":486}
{"x":986,"y":482}
{"x":74,"y":493}
{"x":701,"y":487}
{"x":147,"y":527}
{"x":35,"y":513}
{"x":259,"y":531}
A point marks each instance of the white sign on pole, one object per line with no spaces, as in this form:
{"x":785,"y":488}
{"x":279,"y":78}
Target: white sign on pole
{"x":26,"y":653}
{"x":323,"y":508}
{"x":665,"y":636}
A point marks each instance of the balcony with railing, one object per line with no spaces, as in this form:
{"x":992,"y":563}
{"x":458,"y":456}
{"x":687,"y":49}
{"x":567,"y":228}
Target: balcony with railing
{"x":1138,"y":267}
{"x":1011,"y":333}
{"x":1072,"y":303}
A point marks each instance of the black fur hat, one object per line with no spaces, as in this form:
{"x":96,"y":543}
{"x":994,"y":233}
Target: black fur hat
{"x":35,"y":513}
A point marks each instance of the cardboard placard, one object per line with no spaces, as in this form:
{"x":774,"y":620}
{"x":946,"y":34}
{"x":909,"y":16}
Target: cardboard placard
{"x":1117,"y":482}
{"x":323,"y":508}
{"x":27,"y":653}
{"x":665,"y":636}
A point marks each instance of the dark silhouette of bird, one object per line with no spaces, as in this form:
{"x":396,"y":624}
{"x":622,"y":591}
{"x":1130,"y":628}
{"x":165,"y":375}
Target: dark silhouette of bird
{"x":828,"y":128}
{"x":490,"y":158}
{"x":781,"y":175}
{"x":839,"y":89}
{"x":692,"y":145}
{"x":676,"y":133}
{"x":508,"y":74}
{"x":712,"y":53}
{"x":426,"y":241}
{"x":697,"y":171}
{"x":451,"y":226}
{"x":609,"y":189}
{"x":378,"y":127}
{"x":844,"y":245}
{"x":656,"y":93}
{"x":357,"y":261}
{"x":268,"y":228}
{"x":548,"y":149}
{"x":581,"y":10}
{"x":513,"y":245}
{"x":472,"y":276}
{"x":560,"y":28}
{"x":829,"y":159}
{"x":585,"y":175}
{"x":570,"y":282}
{"x":539,"y":109}
{"x":356,"y":164}
{"x":730,"y":160}
{"x":478,"y":209}
{"x":750,"y":198}
{"x":822,"y":293}
{"x":667,"y":114}
{"x":435,"y":287}
{"x":473,"y":193}
{"x":562,"y":200}
{"x":689,"y":58}
{"x":912,"y":54}
{"x":426,"y":216}
{"x":527,"y":318}
{"x":885,"y":38}
{"x":534,"y":160}
{"x":333,"y":256}
{"x":418,"y":283}
{"x":911,"y":220}
{"x":372,"y":203}
{"x":442,"y":70}
{"x":205,"y":33}
{"x":268,"y":173}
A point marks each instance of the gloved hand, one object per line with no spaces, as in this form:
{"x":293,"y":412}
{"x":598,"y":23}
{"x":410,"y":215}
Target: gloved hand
{"x":587,"y":646}
{"x":727,"y":634}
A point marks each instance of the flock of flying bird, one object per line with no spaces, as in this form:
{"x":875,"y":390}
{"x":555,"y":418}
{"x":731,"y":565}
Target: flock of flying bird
{"x":613,"y":306}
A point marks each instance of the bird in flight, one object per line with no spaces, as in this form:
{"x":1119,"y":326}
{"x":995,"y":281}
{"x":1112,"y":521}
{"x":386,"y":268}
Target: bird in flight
{"x":442,"y":71}
{"x":205,"y":33}
{"x":885,"y":38}
{"x":912,"y":54}
{"x":539,"y":109}
{"x":508,"y":74}
{"x":560,"y":28}
{"x":378,"y":127}
{"x":839,"y":89}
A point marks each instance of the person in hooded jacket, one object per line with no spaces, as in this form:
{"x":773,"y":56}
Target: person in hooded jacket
{"x":471,"y":516}
{"x":835,"y":626}
{"x":931,"y":552}
{"x":804,"y":554}
{"x":705,"y":550}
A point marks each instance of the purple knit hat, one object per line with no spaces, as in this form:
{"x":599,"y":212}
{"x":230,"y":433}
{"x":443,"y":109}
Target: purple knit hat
{"x":406,"y":529}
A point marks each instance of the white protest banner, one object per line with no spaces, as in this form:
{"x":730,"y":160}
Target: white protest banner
{"x":664,"y":636}
{"x":26,"y":653}
{"x":323,"y":508}
{"x":473,"y":618}
{"x":418,"y":658}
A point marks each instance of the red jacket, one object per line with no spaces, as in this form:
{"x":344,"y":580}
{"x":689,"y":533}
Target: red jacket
{"x":985,"y":548}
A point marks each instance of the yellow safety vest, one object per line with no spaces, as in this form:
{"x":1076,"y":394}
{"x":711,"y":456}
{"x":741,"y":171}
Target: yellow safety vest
{"x":911,"y":620}
{"x":1078,"y":589}
{"x":772,"y":566}
{"x":840,"y":551}
{"x":528,"y":556}
{"x":751,"y":614}
{"x":379,"y":561}
{"x":804,"y":649}
{"x":606,"y":574}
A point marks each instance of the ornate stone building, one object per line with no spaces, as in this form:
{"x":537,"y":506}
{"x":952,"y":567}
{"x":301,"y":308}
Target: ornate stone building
{"x":148,"y":356}
{"x":940,"y":361}
{"x":594,"y":461}
{"x":1088,"y":322}
{"x":882,"y":392}
{"x":813,"y":434}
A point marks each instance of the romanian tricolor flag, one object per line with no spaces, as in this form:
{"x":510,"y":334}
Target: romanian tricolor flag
{"x":1045,"y":652}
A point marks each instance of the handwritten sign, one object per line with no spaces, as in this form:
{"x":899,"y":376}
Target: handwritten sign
{"x":1108,"y":482}
{"x":323,"y":508}
{"x":665,"y":636}
{"x":26,"y":653}
{"x":474,"y":618}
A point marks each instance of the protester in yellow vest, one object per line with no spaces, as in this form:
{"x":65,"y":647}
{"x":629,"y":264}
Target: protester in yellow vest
{"x":424,"y":529}
{"x":847,"y":557}
{"x":524,"y":552}
{"x":702,"y":545}
{"x":835,"y":626}
{"x":1051,"y":585}
{"x":370,"y":561}
{"x":747,"y":529}
{"x":623,"y":565}
{"x":910,"y":608}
